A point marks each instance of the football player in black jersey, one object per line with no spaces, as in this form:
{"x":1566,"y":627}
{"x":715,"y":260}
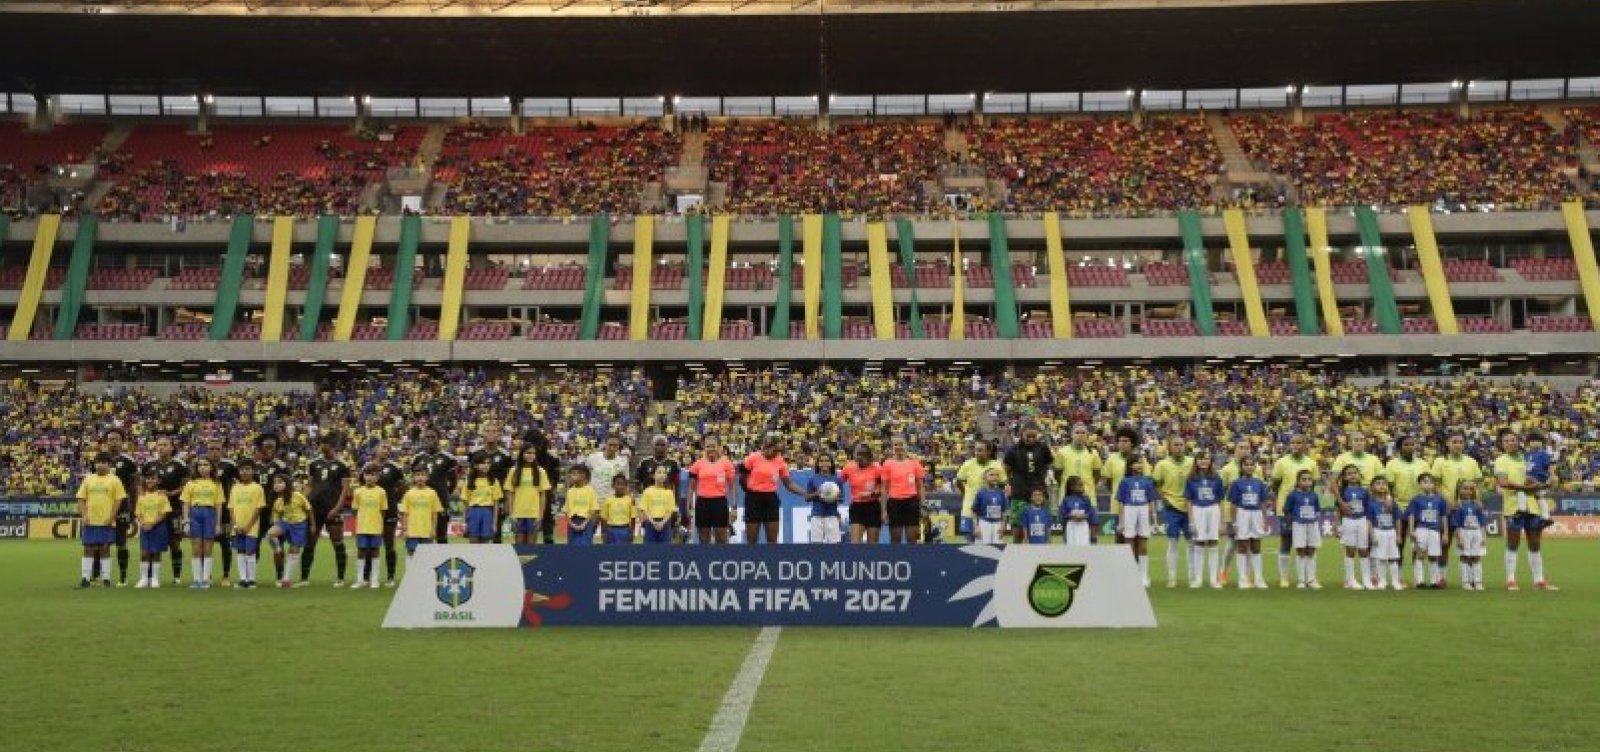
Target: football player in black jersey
{"x":227,"y":473}
{"x":171,"y":473}
{"x":644,"y":477}
{"x":392,"y":478}
{"x":500,"y":461}
{"x":443,"y":471}
{"x":127,"y":471}
{"x":269,"y":464}
{"x":330,"y":490}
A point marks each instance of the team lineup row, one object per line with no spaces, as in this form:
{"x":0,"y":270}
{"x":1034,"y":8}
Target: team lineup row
{"x":1379,"y":507}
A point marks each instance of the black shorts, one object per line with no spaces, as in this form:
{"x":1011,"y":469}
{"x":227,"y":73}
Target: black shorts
{"x":866,"y":514}
{"x":904,"y":513}
{"x":761,"y":506}
{"x":710,"y":512}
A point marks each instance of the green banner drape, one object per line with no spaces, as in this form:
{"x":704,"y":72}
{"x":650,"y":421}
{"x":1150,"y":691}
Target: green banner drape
{"x":405,"y":265}
{"x":1194,"y":256}
{"x":317,"y":284}
{"x":77,"y":278}
{"x":232,"y":279}
{"x":594,"y":279}
{"x":832,"y":278}
{"x":785,"y":281}
{"x":697,"y":281}
{"x":908,"y":257}
{"x":1385,"y":310}
{"x":1305,"y":292}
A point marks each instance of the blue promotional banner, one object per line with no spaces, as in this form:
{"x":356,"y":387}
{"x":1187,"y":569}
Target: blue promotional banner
{"x":792,"y":585}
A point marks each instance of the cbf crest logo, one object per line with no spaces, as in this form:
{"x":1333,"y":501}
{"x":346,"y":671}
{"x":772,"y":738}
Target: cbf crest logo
{"x":453,"y":582}
{"x":1050,"y":593}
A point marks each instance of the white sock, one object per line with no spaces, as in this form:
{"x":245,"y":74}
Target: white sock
{"x":1536,"y":562}
{"x":1144,"y":566}
{"x":1212,"y":558}
{"x":291,"y":564}
{"x":1476,"y":568}
{"x":88,"y":566}
{"x":1195,"y":555}
{"x":1228,"y":553}
{"x":1433,"y":571}
{"x":247,"y":568}
{"x":1511,"y":564}
{"x":1366,"y":572}
{"x":1283,"y":566}
{"x":1244,"y":568}
{"x":1258,"y":563}
{"x":105,"y":568}
{"x":1416,"y":571}
{"x":205,"y":567}
{"x":1382,"y":573}
{"x":1349,"y":569}
{"x":1394,"y":571}
{"x":1172,"y":559}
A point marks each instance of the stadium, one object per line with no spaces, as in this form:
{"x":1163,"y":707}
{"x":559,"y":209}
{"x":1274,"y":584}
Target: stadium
{"x":460,"y":272}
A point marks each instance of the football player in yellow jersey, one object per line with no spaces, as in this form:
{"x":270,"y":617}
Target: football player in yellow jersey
{"x":245,"y":501}
{"x":1116,"y":466}
{"x":151,"y":515}
{"x":1450,"y":469}
{"x":1521,"y":510}
{"x":421,"y":507}
{"x":1077,"y":459}
{"x":656,"y":506}
{"x":202,"y":504}
{"x":1402,"y":471}
{"x":291,"y":518}
{"x":525,"y":486}
{"x":1454,"y":466}
{"x":1282,"y":478}
{"x":616,"y":512}
{"x":369,"y":500}
{"x":99,"y":497}
{"x":1369,"y":464}
{"x":1171,"y":476}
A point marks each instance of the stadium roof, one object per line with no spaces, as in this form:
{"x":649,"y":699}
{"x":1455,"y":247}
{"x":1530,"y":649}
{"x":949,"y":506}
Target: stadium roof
{"x":644,"y":47}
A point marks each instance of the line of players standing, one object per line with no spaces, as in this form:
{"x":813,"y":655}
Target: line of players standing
{"x":326,"y":481}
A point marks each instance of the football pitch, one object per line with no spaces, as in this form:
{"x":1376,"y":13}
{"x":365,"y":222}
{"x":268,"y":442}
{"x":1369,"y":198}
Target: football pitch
{"x":310,"y":669}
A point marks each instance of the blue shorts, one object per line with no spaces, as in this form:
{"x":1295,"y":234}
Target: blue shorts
{"x":480,"y":522}
{"x":582,"y":537}
{"x":246,"y":544}
{"x":524,"y":525}
{"x":99,"y":535}
{"x":652,"y":535}
{"x":412,"y":543}
{"x":203,"y":522}
{"x":368,"y":542}
{"x":295,"y":532}
{"x":618,"y":535}
{"x":1524,"y":522}
{"x":155,"y":540}
{"x":1176,"y":523}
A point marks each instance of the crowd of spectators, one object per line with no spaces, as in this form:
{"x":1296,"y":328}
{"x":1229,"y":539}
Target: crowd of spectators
{"x":857,"y":167}
{"x":556,"y":171}
{"x":1098,"y":166}
{"x":1506,"y":159}
{"x":163,"y":172}
{"x":48,"y":429}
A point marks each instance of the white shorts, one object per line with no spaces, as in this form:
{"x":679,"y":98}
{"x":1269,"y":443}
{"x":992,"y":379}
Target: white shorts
{"x":1307,"y":535}
{"x":1355,"y":533}
{"x":1386,"y":545}
{"x":1075,"y":532}
{"x":825,"y":530}
{"x":1426,"y":541}
{"x":1249,"y":524}
{"x":1471,"y":542}
{"x":988,"y":532}
{"x":1134,"y":522}
{"x":1206,"y":523}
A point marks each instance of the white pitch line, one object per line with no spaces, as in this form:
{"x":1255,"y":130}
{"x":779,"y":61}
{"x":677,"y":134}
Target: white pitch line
{"x":728,"y":725}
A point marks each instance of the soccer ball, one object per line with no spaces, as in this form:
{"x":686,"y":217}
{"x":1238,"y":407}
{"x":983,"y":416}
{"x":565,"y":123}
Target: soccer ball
{"x":828,"y":491}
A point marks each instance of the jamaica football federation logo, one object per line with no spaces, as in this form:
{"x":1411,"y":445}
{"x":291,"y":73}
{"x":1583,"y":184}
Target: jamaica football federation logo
{"x":1050,"y":593}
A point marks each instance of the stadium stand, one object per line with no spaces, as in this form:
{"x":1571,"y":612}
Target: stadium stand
{"x":857,"y":167}
{"x":552,"y":170}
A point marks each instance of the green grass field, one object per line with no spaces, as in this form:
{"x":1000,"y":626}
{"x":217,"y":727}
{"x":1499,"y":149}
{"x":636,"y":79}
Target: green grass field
{"x":309,"y":670}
